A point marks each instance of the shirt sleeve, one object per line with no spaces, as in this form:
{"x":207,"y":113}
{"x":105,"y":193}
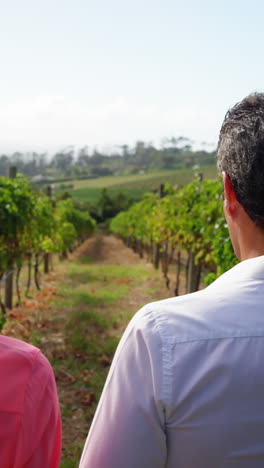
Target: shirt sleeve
{"x":39,"y":440}
{"x":128,"y":427}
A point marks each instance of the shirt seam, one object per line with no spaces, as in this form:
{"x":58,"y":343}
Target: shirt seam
{"x":166,"y":388}
{"x":217,"y":338}
{"x":159,"y":313}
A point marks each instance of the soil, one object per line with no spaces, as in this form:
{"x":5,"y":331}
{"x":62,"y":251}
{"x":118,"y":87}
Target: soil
{"x":109,"y":250}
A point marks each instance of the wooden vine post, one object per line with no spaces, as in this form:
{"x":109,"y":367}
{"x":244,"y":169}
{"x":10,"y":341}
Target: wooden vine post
{"x":157,"y":247}
{"x":46,"y":255}
{"x":193,"y":269}
{"x":193,"y":274}
{"x":178,"y":274}
{"x":9,"y":277}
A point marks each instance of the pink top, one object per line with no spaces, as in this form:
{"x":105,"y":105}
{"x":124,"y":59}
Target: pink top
{"x":30,"y":425}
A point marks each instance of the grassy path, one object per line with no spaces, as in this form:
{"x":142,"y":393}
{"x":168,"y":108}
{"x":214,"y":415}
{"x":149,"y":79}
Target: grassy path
{"x":77,"y":320}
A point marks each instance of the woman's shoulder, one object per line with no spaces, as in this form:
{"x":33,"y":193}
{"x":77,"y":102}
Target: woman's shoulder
{"x":21,"y":365}
{"x":13,"y":345}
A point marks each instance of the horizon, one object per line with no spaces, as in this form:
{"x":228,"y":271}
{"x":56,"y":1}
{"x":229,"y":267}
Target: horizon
{"x":109,"y":150}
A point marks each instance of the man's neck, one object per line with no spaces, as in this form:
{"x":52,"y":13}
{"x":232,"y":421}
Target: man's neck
{"x":251,"y":242}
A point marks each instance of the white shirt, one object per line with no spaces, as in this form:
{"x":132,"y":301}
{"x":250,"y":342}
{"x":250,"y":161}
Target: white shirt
{"x":186,"y":386}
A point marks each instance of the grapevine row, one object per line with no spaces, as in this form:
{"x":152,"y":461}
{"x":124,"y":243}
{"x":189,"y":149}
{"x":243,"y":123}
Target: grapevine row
{"x":188,"y":221}
{"x":32,"y":224}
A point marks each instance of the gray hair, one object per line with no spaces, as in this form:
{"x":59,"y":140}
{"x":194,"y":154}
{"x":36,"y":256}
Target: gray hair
{"x":240,"y":153}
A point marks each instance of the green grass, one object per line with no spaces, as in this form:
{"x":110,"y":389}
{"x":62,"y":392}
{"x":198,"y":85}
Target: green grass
{"x":116,"y":181}
{"x":76,"y":451}
{"x":35,"y":338}
{"x":93,"y":300}
{"x":134,"y":185}
{"x":81,"y":272}
{"x":92,"y":294}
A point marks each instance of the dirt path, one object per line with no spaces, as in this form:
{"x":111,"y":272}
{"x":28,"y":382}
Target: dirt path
{"x":108,"y":250}
{"x":77,"y":319}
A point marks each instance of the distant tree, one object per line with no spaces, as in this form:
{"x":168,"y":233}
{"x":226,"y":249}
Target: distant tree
{"x":168,"y":161}
{"x":110,"y":205}
{"x":105,"y":206}
{"x":97,"y":158}
{"x":101,"y":171}
{"x":17,"y":159}
{"x":83,"y":157}
{"x":125,"y":151}
{"x":143,"y":154}
{"x":63,"y":160}
{"x":4,"y":164}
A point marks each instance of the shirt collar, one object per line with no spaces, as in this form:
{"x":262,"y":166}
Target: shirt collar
{"x":247,"y":270}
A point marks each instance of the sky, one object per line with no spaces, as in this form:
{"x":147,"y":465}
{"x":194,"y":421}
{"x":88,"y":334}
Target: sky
{"x":112,"y":72}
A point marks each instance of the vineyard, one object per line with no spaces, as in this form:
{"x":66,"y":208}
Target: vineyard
{"x":182,"y":226}
{"x":33,"y":226}
{"x":83,"y":306}
{"x":185,"y":226}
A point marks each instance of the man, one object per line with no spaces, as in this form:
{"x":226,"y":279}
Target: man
{"x":186,"y":387}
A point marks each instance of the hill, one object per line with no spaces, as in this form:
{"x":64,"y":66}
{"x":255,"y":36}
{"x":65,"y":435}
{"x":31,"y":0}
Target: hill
{"x":132,"y":185}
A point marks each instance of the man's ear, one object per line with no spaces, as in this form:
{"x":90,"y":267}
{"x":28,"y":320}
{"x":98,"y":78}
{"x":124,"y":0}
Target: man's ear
{"x":230,"y":200}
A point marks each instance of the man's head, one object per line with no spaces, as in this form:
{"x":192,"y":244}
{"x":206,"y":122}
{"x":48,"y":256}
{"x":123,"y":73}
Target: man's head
{"x":241,"y":154}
